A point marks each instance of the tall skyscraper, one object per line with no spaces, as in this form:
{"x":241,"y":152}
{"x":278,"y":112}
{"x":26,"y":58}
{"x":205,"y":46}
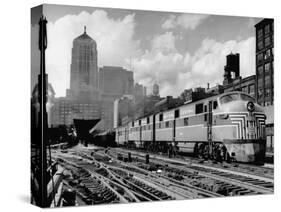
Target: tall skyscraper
{"x":84,"y":67}
{"x":82,"y":100}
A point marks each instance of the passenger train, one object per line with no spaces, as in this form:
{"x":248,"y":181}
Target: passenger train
{"x":229,"y":126}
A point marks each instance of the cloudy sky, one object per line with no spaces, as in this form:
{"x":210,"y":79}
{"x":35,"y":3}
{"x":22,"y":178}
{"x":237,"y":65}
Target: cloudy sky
{"x":175,"y":50}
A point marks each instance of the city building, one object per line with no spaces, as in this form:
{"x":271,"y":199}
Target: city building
{"x":82,"y":100}
{"x":139,"y":93}
{"x":217,"y":89}
{"x":191,"y":95}
{"x":123,"y":110}
{"x":265,"y":73}
{"x":265,"y":62}
{"x":64,"y":110}
{"x":84,"y":68}
{"x":144,"y":91}
{"x":167,"y":103}
{"x":247,"y":85}
{"x":114,"y":83}
{"x":155,"y":90}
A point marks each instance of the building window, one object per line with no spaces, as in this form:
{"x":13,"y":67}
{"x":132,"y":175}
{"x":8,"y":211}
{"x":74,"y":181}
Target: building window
{"x":260,"y":70}
{"x":260,"y":45}
{"x":260,"y":33}
{"x":260,"y":57}
{"x":267,"y":80}
{"x":167,"y":124}
{"x":267,"y":54}
{"x":267,"y":92}
{"x":260,"y":93}
{"x":267,"y":29}
{"x":260,"y":82}
{"x":267,"y":41}
{"x":267,"y":67}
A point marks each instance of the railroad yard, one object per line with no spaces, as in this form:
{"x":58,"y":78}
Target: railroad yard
{"x":117,"y":175}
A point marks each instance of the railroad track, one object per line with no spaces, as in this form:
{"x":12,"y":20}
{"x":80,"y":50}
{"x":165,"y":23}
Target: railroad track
{"x":266,"y":171}
{"x":194,"y":191}
{"x":90,"y":189}
{"x":230,"y":182}
{"x":100,"y":172}
{"x":140,"y":191}
{"x":262,"y":171}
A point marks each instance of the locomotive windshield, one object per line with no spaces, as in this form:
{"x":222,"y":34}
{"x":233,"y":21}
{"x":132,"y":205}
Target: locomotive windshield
{"x":229,"y":98}
{"x":234,"y":97}
{"x":247,"y":97}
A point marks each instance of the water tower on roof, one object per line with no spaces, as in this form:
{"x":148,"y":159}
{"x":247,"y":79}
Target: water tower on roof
{"x":232,"y":68}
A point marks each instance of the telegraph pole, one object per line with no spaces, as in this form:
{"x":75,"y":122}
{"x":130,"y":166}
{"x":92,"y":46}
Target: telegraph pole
{"x":43,"y":118}
{"x":209,"y":128}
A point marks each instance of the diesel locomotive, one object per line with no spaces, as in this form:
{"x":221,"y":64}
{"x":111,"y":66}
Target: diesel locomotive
{"x":225,"y":126}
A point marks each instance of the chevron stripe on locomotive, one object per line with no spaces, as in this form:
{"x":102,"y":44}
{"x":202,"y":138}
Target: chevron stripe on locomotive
{"x":223,"y":127}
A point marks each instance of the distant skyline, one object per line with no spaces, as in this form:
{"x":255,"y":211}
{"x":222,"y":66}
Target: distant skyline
{"x":176,"y":50}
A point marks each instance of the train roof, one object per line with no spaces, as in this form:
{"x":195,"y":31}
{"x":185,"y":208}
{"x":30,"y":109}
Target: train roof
{"x":191,"y":103}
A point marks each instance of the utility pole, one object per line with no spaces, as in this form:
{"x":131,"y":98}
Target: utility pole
{"x":209,"y":128}
{"x":43,"y":117}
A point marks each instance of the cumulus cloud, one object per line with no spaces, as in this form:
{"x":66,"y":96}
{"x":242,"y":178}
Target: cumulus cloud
{"x":164,"y":42}
{"x":186,"y":21}
{"x":162,"y":62}
{"x":209,"y":60}
{"x":114,"y":39}
{"x":175,"y":71}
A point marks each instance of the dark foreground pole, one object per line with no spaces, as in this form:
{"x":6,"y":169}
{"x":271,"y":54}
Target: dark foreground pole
{"x":129,"y":157}
{"x":147,"y":158}
{"x":43,"y":118}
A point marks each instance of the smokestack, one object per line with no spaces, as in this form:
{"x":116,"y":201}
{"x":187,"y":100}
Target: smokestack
{"x":208,"y":86}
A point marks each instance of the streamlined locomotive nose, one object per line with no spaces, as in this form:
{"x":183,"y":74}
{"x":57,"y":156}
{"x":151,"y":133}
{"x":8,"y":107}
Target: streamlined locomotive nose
{"x":250,"y":106}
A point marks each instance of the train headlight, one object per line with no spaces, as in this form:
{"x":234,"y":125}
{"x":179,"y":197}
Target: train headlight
{"x":250,"y":106}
